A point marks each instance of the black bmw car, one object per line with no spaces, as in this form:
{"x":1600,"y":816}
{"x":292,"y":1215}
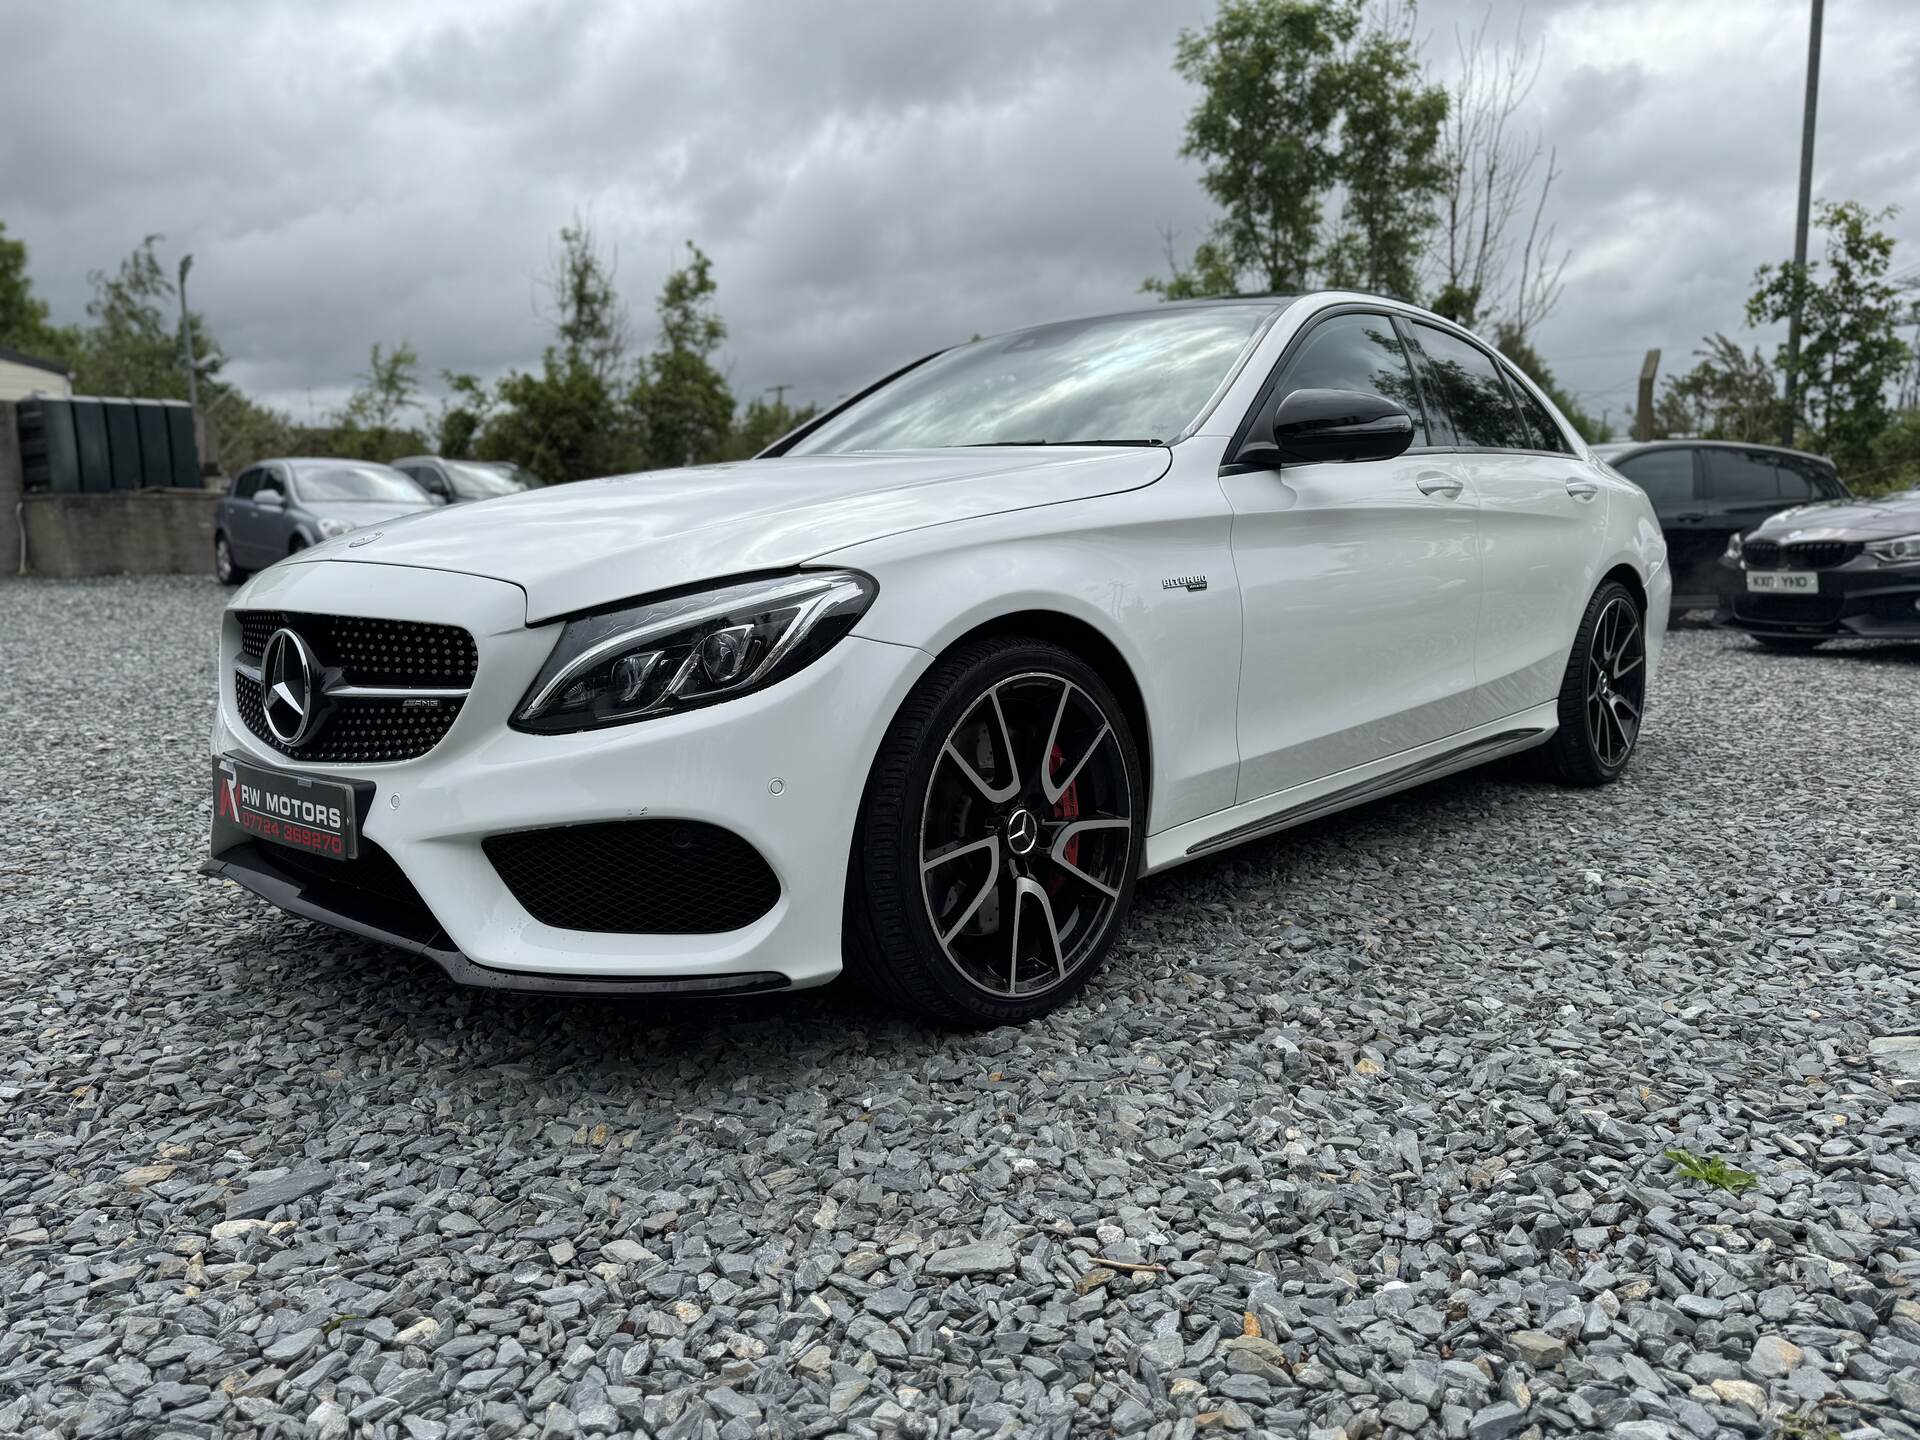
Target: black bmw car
{"x":1823,"y":571}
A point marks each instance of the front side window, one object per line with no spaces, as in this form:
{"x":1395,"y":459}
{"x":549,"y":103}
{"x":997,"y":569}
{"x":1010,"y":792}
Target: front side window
{"x":1739,"y":475}
{"x":1123,"y":379}
{"x":359,"y":482}
{"x":1472,"y":392}
{"x":1666,"y":475}
{"x":249,"y":481}
{"x":270,"y":483}
{"x":1356,"y":352}
{"x":1546,"y":434}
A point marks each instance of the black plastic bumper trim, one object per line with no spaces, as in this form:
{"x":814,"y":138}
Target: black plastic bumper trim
{"x":288,"y":896}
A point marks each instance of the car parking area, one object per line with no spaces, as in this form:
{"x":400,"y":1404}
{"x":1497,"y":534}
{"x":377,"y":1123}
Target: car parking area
{"x":1364,"y":1127}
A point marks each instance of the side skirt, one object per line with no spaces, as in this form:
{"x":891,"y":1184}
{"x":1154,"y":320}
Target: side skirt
{"x":1303,"y":803}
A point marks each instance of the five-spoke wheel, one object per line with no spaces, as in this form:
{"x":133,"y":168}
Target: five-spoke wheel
{"x":1000,"y":836}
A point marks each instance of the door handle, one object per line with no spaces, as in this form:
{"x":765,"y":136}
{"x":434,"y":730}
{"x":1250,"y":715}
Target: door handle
{"x":1583,"y":489}
{"x":1435,"y":483}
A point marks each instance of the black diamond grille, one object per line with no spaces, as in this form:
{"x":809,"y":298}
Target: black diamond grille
{"x":1800,"y":555}
{"x":357,"y":732}
{"x":372,"y":652}
{"x":636,"y":877}
{"x":1789,"y":609}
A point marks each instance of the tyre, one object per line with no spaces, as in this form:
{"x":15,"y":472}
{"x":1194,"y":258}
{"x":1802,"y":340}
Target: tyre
{"x":1604,"y":693}
{"x":1791,"y":642}
{"x":999,"y":837}
{"x":296,"y":546}
{"x":224,"y":570}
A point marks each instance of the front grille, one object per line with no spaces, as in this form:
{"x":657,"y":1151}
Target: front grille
{"x":636,"y":877}
{"x":1800,"y":555}
{"x":1789,"y":609}
{"x":372,"y":652}
{"x":357,"y":732}
{"x":400,"y":654}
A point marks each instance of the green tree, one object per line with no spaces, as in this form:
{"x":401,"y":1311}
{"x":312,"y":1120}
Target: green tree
{"x":1272,"y":76}
{"x":1850,"y":354}
{"x":1390,"y":165}
{"x":761,"y":422}
{"x":23,"y":315}
{"x":681,"y":402}
{"x":1728,"y":395}
{"x":367,"y":427}
{"x":132,"y":346}
{"x":462,"y":415}
{"x":1513,"y":343}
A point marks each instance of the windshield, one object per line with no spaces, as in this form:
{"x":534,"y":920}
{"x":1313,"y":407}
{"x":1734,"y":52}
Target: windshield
{"x":1124,"y":379}
{"x":358,"y":482}
{"x":479,"y":482}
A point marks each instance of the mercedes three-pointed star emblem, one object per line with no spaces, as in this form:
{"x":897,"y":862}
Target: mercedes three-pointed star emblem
{"x":289,"y":688}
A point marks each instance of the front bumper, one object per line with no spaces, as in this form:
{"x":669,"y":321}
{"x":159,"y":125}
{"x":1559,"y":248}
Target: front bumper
{"x":1861,"y":598}
{"x":784,"y":769}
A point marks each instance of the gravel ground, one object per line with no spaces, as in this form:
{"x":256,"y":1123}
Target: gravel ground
{"x":1361,"y":1132}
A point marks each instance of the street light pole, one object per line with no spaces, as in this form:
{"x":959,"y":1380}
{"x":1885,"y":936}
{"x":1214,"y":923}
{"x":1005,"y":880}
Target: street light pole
{"x":186,"y":338}
{"x":1800,"y":229}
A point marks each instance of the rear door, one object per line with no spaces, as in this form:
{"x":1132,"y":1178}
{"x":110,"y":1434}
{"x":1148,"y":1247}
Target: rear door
{"x":241,"y":518}
{"x":1671,"y":476}
{"x":1543,"y":517}
{"x":1744,"y":487}
{"x":1359,"y":583}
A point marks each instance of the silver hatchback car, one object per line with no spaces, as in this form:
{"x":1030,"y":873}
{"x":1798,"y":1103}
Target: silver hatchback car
{"x":279,"y":506}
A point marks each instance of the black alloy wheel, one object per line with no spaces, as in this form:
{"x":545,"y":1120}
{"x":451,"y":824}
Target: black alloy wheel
{"x":1000,"y":836}
{"x":1604,"y":693}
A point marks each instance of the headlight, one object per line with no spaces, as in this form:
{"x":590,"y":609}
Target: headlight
{"x":330,"y":528}
{"x":1736,"y":544}
{"x":659,"y":657}
{"x":1901,"y":550}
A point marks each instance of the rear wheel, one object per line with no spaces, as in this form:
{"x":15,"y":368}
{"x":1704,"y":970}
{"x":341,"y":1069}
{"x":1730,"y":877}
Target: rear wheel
{"x":1791,"y":642}
{"x":999,"y":837}
{"x":224,"y":569}
{"x":1604,"y":692}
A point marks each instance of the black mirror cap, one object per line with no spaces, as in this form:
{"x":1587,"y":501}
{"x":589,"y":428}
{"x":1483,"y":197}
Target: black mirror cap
{"x":1313,"y":427}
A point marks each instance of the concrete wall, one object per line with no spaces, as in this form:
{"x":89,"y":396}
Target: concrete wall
{"x":121,"y":532}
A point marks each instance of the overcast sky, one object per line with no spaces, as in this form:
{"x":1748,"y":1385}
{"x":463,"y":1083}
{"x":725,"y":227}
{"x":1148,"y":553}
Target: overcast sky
{"x":872,"y":180}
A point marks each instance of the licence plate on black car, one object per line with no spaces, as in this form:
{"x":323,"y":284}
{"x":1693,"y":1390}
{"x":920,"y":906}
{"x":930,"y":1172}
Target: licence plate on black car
{"x":314,"y":816}
{"x":1783,"y":582}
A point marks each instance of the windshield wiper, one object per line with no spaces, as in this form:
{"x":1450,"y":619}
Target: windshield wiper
{"x":982,"y":444}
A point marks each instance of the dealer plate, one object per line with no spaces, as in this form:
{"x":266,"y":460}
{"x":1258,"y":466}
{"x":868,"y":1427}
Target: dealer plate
{"x":298,"y":811}
{"x":1784,"y":582}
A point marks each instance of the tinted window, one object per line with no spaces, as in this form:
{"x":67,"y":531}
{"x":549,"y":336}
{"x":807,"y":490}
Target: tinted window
{"x":1666,"y":475}
{"x":248,"y":482}
{"x":1141,"y":377}
{"x":1545,"y":432}
{"x":1743,"y":475}
{"x":1356,"y":352}
{"x":1472,"y":393}
{"x":1797,"y":483}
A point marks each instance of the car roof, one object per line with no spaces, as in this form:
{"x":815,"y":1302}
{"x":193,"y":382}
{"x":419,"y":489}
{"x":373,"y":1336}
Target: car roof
{"x":1618,"y":448}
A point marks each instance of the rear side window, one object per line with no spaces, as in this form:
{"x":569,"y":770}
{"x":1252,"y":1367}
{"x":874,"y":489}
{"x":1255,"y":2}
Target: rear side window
{"x":1541,"y":426}
{"x":1356,"y":352}
{"x":1666,"y":475}
{"x":1472,"y":393}
{"x":1746,"y":475}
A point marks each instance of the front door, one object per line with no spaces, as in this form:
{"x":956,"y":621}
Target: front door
{"x":1359,"y":582}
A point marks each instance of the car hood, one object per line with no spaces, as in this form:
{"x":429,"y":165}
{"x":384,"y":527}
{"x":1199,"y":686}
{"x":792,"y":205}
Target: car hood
{"x":361,"y":513}
{"x":573,"y":547}
{"x":1845,"y":520}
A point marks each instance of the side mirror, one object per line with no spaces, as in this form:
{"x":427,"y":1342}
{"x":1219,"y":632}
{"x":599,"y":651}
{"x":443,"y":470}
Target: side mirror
{"x":1314,"y":427}
{"x":272,"y":499}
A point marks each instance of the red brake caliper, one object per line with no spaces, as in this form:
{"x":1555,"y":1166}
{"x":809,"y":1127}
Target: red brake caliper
{"x":1067,"y":807}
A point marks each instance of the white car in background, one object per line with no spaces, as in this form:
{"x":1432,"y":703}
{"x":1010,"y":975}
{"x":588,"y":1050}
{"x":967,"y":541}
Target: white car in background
{"x":925,"y":688}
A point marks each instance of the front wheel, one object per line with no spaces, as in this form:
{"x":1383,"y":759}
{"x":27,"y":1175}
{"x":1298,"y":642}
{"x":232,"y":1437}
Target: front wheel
{"x":999,"y":837}
{"x":1604,"y":692}
{"x":224,"y":569}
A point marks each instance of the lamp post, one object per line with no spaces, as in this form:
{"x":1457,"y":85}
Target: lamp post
{"x":186,"y":338}
{"x":1792,"y":406}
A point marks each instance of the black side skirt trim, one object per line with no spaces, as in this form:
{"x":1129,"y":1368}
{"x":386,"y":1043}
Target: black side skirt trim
{"x":1431,"y":768}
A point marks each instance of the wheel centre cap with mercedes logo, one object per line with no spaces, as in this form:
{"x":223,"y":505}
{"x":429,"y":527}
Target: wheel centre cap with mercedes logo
{"x":289,"y":692}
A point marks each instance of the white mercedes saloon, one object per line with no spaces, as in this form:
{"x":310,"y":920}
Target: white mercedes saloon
{"x":925,"y":688}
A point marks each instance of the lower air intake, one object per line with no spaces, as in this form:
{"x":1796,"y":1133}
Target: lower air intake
{"x":636,"y":877}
